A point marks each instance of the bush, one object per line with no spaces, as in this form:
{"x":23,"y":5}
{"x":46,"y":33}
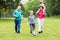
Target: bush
{"x":31,"y":5}
{"x":53,"y":7}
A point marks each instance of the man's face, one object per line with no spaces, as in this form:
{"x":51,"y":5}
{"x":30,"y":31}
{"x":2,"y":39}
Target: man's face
{"x":19,"y":7}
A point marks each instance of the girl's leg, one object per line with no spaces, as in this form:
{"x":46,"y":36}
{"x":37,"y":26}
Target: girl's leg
{"x":39,"y":25}
{"x":42,"y":24}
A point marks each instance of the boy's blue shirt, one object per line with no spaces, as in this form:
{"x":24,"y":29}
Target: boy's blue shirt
{"x":18,"y":14}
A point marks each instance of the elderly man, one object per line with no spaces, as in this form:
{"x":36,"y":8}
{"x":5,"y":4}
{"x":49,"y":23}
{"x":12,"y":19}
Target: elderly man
{"x":18,"y":16}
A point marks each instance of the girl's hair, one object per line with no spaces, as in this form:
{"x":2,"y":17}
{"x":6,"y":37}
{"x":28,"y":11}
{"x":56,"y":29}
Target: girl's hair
{"x":42,"y":7}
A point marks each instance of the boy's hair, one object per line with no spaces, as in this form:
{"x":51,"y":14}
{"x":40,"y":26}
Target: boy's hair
{"x":42,"y":7}
{"x":31,"y":11}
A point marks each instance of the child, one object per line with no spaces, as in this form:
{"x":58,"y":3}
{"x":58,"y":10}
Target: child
{"x":42,"y":4}
{"x":31,"y":19}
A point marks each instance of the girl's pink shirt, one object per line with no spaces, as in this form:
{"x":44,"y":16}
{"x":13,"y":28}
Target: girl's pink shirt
{"x":41,"y":14}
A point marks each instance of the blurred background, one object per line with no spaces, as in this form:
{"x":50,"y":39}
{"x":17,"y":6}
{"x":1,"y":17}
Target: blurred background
{"x":8,"y":6}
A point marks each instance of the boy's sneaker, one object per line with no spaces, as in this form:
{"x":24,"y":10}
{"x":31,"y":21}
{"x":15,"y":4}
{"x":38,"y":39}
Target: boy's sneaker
{"x":30,"y":31}
{"x":34,"y":34}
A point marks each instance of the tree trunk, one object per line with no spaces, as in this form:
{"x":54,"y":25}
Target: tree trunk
{"x":0,"y":14}
{"x":18,"y":2}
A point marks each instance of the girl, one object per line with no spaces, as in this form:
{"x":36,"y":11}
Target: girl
{"x":41,"y":15}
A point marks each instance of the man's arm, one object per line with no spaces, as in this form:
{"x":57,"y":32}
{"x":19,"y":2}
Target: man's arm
{"x":14,"y":14}
{"x":28,"y":21}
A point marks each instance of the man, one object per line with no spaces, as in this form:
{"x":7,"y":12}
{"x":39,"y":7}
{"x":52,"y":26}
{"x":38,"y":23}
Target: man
{"x":18,"y":16}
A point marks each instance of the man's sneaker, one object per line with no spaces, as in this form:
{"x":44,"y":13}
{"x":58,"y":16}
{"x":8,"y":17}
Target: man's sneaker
{"x":18,"y":32}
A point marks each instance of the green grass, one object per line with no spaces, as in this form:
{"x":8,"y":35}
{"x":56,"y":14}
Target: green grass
{"x":51,"y":30}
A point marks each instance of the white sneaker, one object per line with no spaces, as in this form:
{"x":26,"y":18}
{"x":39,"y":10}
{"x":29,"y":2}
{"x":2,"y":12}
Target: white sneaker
{"x":33,"y":34}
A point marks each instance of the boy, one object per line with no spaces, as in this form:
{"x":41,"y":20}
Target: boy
{"x":31,"y":19}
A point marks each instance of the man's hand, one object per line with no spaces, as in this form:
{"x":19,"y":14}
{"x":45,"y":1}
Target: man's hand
{"x":15,"y":16}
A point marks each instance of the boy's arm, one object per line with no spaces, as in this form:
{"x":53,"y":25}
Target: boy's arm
{"x":35,"y":19}
{"x":28,"y":21}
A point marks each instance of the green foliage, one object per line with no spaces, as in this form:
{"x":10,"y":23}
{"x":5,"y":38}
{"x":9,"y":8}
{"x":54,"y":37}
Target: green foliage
{"x":31,"y":5}
{"x":53,"y":7}
{"x":6,"y":7}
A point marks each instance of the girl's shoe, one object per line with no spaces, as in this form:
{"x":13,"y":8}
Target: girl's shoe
{"x":40,"y":32}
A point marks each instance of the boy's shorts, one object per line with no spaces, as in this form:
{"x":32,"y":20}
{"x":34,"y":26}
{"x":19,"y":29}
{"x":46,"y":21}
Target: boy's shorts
{"x":32,"y":26}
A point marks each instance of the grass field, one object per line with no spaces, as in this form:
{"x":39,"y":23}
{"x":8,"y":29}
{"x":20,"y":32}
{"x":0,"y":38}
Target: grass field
{"x":51,"y":30}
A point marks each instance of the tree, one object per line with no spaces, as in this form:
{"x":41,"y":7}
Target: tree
{"x":53,"y":7}
{"x":31,"y":5}
{"x":8,"y":5}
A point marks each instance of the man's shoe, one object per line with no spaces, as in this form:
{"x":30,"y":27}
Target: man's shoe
{"x":18,"y":32}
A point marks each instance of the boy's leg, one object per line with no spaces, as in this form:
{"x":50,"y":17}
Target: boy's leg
{"x":33,"y":26}
{"x":30,"y":28}
{"x":33,"y":30}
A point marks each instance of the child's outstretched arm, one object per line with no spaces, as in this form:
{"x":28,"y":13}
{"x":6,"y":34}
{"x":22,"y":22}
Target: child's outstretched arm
{"x":35,"y":20}
{"x":27,"y":21}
